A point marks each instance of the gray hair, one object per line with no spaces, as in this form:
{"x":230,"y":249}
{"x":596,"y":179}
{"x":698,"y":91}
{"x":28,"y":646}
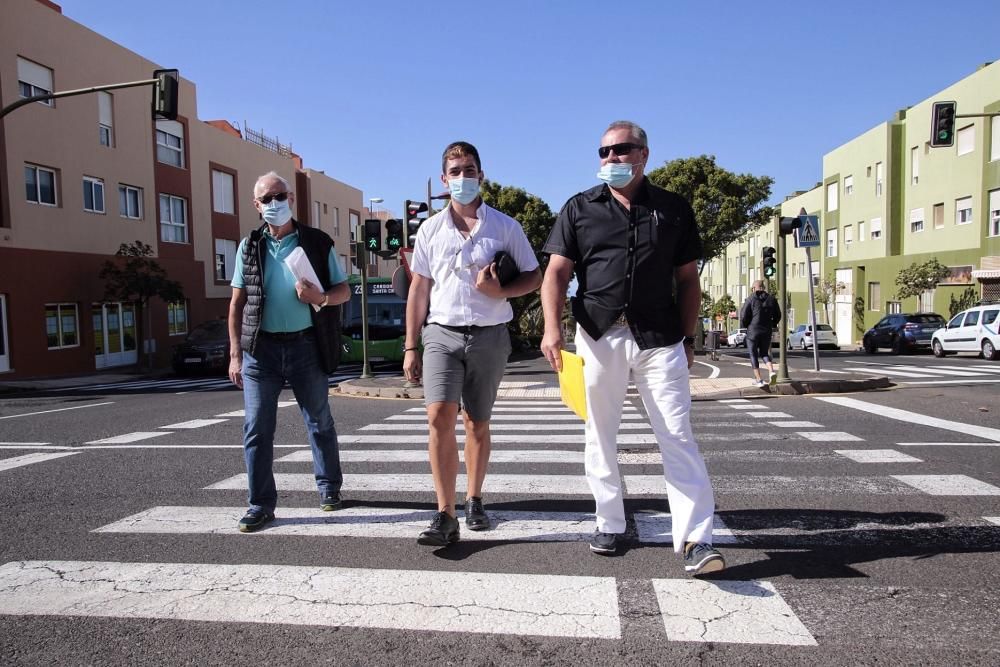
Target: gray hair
{"x":638,"y":133}
{"x":758,"y":285}
{"x":271,"y":175}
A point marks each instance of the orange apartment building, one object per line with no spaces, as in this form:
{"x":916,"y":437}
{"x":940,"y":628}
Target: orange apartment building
{"x":81,"y":175}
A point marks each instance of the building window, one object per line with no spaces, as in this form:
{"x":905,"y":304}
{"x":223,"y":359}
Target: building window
{"x":879,"y":175}
{"x":927,"y":301}
{"x":861,"y":231}
{"x":814,"y":267}
{"x":995,"y":138}
{"x":832,"y":202}
{"x":225,"y":259}
{"x":914,"y":165}
{"x":34,"y":79}
{"x":802,"y":269}
{"x":130,"y":202}
{"x":336,"y":221}
{"x":222,"y":192}
{"x":61,"y":325}
{"x":868,"y":172}
{"x":875,"y":296}
{"x":917,"y":220}
{"x":177,"y":321}
{"x":965,"y":139}
{"x":994,"y":213}
{"x":848,"y":185}
{"x":170,"y":142}
{"x":848,"y":235}
{"x":342,"y":259}
{"x":831,"y":243}
{"x":93,"y":195}
{"x":40,"y":185}
{"x":173,"y":219}
{"x":105,"y":118}
{"x":893,"y":307}
{"x":317,"y":214}
{"x":938,"y":214}
{"x":963,"y":211}
{"x":876,"y":228}
{"x":794,"y":272}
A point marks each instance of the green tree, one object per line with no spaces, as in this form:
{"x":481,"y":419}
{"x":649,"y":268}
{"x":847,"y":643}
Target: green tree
{"x":919,"y":278}
{"x":824,"y":294}
{"x":134,"y":276}
{"x":726,"y":205}
{"x":723,"y":307}
{"x":707,"y":304}
{"x":967,"y":299}
{"x":536,"y":220}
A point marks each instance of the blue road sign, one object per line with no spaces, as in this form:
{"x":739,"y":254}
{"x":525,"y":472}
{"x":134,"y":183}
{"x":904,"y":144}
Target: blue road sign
{"x":808,"y":235}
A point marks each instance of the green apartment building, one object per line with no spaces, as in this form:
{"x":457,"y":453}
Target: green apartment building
{"x":888,"y":200}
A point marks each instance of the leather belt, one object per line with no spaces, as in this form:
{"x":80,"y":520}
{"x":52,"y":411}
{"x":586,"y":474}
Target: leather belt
{"x":463,"y":329}
{"x":286,"y":335}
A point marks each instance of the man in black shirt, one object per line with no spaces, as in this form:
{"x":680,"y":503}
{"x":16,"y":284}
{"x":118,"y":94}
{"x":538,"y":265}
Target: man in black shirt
{"x":635,"y":250}
{"x":759,"y":315}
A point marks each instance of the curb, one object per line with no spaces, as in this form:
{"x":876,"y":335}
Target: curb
{"x":375,"y":389}
{"x":799,"y":387}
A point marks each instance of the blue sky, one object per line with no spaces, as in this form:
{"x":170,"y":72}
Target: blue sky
{"x":371,"y":92}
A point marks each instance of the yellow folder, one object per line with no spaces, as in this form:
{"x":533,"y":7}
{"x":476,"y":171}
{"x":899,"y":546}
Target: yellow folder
{"x":572,"y":389}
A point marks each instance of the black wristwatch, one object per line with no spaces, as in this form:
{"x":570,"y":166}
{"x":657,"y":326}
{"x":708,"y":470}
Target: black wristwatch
{"x":689,"y":340}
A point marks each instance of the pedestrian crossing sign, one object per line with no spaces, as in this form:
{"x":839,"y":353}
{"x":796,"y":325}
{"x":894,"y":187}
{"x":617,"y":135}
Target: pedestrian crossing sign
{"x":808,"y":234}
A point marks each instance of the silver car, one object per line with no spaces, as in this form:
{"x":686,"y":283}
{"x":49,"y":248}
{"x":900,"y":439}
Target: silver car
{"x":802,"y":337}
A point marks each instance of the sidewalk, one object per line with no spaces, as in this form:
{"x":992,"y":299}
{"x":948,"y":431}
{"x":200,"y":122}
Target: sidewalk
{"x":69,"y":382}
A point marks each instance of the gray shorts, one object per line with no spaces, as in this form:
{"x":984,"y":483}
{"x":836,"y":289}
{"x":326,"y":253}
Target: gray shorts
{"x":465,"y":367}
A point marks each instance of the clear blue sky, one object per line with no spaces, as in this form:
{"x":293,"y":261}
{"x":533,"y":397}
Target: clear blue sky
{"x":372,"y":91}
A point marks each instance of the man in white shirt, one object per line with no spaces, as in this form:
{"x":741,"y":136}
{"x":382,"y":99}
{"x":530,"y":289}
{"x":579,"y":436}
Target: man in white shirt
{"x":458,"y":307}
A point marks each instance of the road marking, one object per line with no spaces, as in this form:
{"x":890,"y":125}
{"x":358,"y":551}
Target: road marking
{"x":45,"y":412}
{"x":655,"y":528}
{"x":28,"y":459}
{"x":523,"y":604}
{"x":626,"y":408}
{"x":423,"y":427}
{"x":420,"y":456}
{"x":234,"y":413}
{"x":196,"y":423}
{"x":993,"y":519}
{"x":568,"y":416}
{"x":529,"y":403}
{"x":829,"y":436}
{"x":890,"y":371}
{"x":568,"y":485}
{"x":940,"y":370}
{"x":796,"y":424}
{"x":949,"y":485}
{"x":948,"y":444}
{"x":734,"y":400}
{"x":913,"y":417}
{"x":992,"y":381}
{"x":128,"y":437}
{"x":364,"y":522}
{"x":978,"y":369}
{"x":773,"y":485}
{"x":877,"y":456}
{"x":152,"y":445}
{"x":735,"y":612}
{"x":623,"y":439}
{"x":742,"y":406}
{"x":26,"y":445}
{"x":716,"y":371}
{"x":769,"y":415}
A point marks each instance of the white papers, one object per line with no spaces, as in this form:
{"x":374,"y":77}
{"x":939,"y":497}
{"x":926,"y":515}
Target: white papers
{"x":299,"y":265}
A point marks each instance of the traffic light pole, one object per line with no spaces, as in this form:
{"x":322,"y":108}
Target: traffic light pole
{"x":783,"y":298}
{"x":366,"y":371}
{"x":812,"y":310}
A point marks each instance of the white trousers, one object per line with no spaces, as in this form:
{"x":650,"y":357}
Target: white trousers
{"x":662,"y":378}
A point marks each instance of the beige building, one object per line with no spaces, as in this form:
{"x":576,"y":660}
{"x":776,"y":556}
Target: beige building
{"x":83,"y":175}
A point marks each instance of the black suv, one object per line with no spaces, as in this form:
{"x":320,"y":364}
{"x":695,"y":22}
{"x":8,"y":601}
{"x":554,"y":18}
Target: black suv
{"x":902,"y":332}
{"x":206,"y":348}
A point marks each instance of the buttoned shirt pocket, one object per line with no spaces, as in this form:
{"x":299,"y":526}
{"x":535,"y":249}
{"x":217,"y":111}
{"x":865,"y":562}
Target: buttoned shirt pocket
{"x":483,"y":251}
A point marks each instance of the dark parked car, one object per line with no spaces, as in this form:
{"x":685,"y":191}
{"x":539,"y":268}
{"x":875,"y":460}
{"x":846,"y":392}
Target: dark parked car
{"x":902,"y":332}
{"x":206,"y":348}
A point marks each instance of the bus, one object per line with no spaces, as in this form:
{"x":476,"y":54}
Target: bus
{"x":386,"y":322}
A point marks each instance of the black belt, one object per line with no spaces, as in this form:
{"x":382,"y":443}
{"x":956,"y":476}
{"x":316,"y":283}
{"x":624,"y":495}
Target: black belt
{"x":463,"y":329}
{"x":286,"y":335}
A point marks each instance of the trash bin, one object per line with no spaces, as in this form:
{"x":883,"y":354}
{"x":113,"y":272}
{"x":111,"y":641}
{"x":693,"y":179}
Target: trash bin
{"x":712,"y":340}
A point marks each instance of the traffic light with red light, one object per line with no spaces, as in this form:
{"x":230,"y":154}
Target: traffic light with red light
{"x":413,"y":210}
{"x":943,"y":124}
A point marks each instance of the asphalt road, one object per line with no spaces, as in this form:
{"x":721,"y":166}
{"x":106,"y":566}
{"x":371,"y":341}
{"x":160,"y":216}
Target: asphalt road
{"x":858,"y":529}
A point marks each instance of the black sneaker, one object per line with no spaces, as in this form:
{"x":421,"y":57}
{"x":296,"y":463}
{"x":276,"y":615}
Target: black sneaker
{"x":329,"y":501}
{"x":702,"y":558}
{"x":442,"y":531}
{"x":255,"y":520}
{"x":475,"y":515}
{"x":604,"y":543}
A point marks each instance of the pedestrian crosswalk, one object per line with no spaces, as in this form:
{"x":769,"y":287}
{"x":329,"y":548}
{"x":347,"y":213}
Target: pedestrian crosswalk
{"x":536,"y":494}
{"x":931,"y":372}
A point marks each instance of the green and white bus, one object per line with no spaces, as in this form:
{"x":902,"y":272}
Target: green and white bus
{"x":386,"y":322}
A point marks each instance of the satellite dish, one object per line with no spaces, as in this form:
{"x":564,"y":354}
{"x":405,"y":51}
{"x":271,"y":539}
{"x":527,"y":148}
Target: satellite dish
{"x":400,"y":282}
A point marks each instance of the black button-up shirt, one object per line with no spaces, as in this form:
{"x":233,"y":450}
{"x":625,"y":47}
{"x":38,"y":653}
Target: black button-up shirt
{"x":625,"y":260}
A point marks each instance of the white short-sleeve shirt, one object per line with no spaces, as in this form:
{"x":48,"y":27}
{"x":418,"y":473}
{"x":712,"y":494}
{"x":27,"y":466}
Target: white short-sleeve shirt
{"x":452,"y":262}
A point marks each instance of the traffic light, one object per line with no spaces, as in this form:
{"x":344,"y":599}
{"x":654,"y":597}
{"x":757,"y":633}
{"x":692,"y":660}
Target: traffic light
{"x":943,"y":124}
{"x":769,"y":262}
{"x":393,"y":235}
{"x":413,"y":209}
{"x":787,"y":225}
{"x":165,"y":94}
{"x":373,"y":235}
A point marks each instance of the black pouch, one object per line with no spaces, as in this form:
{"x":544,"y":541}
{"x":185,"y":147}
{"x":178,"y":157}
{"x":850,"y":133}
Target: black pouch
{"x":506,"y":267}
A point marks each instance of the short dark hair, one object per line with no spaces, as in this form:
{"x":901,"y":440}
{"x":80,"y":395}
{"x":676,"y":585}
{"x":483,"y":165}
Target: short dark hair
{"x":460,"y":149}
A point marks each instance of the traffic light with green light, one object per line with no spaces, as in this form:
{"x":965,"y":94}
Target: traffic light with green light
{"x":393,"y":235}
{"x":373,"y":235}
{"x":943,"y":124}
{"x":770,"y":262}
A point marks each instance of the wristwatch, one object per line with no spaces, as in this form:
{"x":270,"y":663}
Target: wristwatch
{"x":326,"y":299}
{"x":689,"y":340}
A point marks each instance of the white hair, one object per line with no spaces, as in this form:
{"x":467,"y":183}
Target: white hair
{"x":638,"y":133}
{"x":271,"y":175}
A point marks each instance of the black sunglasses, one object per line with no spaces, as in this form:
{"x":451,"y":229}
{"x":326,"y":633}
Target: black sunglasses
{"x":266,"y":199}
{"x":619,"y":149}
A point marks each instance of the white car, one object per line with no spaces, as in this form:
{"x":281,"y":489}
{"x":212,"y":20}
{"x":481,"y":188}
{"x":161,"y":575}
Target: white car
{"x":737,"y":338}
{"x":972,"y":330}
{"x":802,"y":337}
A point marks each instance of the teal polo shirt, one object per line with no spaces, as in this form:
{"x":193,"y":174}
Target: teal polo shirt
{"x":282,"y":309}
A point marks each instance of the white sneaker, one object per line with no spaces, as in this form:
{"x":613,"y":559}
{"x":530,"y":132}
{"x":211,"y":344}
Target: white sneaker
{"x":773,"y":378}
{"x":759,"y":383}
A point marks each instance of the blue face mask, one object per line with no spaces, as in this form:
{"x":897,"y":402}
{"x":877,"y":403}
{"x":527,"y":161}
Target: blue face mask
{"x":616,"y":174}
{"x":276,"y":212}
{"x":463,"y":190}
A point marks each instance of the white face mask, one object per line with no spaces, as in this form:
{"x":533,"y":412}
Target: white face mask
{"x":276,"y":212}
{"x":463,"y":190}
{"x":616,"y":174}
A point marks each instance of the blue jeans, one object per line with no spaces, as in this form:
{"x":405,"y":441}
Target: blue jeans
{"x":264,"y":375}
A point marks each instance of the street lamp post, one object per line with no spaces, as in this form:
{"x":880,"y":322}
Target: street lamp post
{"x":366,"y":370}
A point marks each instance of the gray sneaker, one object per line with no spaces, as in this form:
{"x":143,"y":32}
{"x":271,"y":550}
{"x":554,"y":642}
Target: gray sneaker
{"x":604,"y":543}
{"x":702,"y":558}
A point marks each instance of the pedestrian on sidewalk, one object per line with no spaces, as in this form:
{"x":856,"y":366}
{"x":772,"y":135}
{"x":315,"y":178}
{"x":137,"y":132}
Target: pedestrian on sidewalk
{"x":459,"y":309}
{"x":277,"y":334}
{"x":635,"y":250}
{"x":759,"y":315}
